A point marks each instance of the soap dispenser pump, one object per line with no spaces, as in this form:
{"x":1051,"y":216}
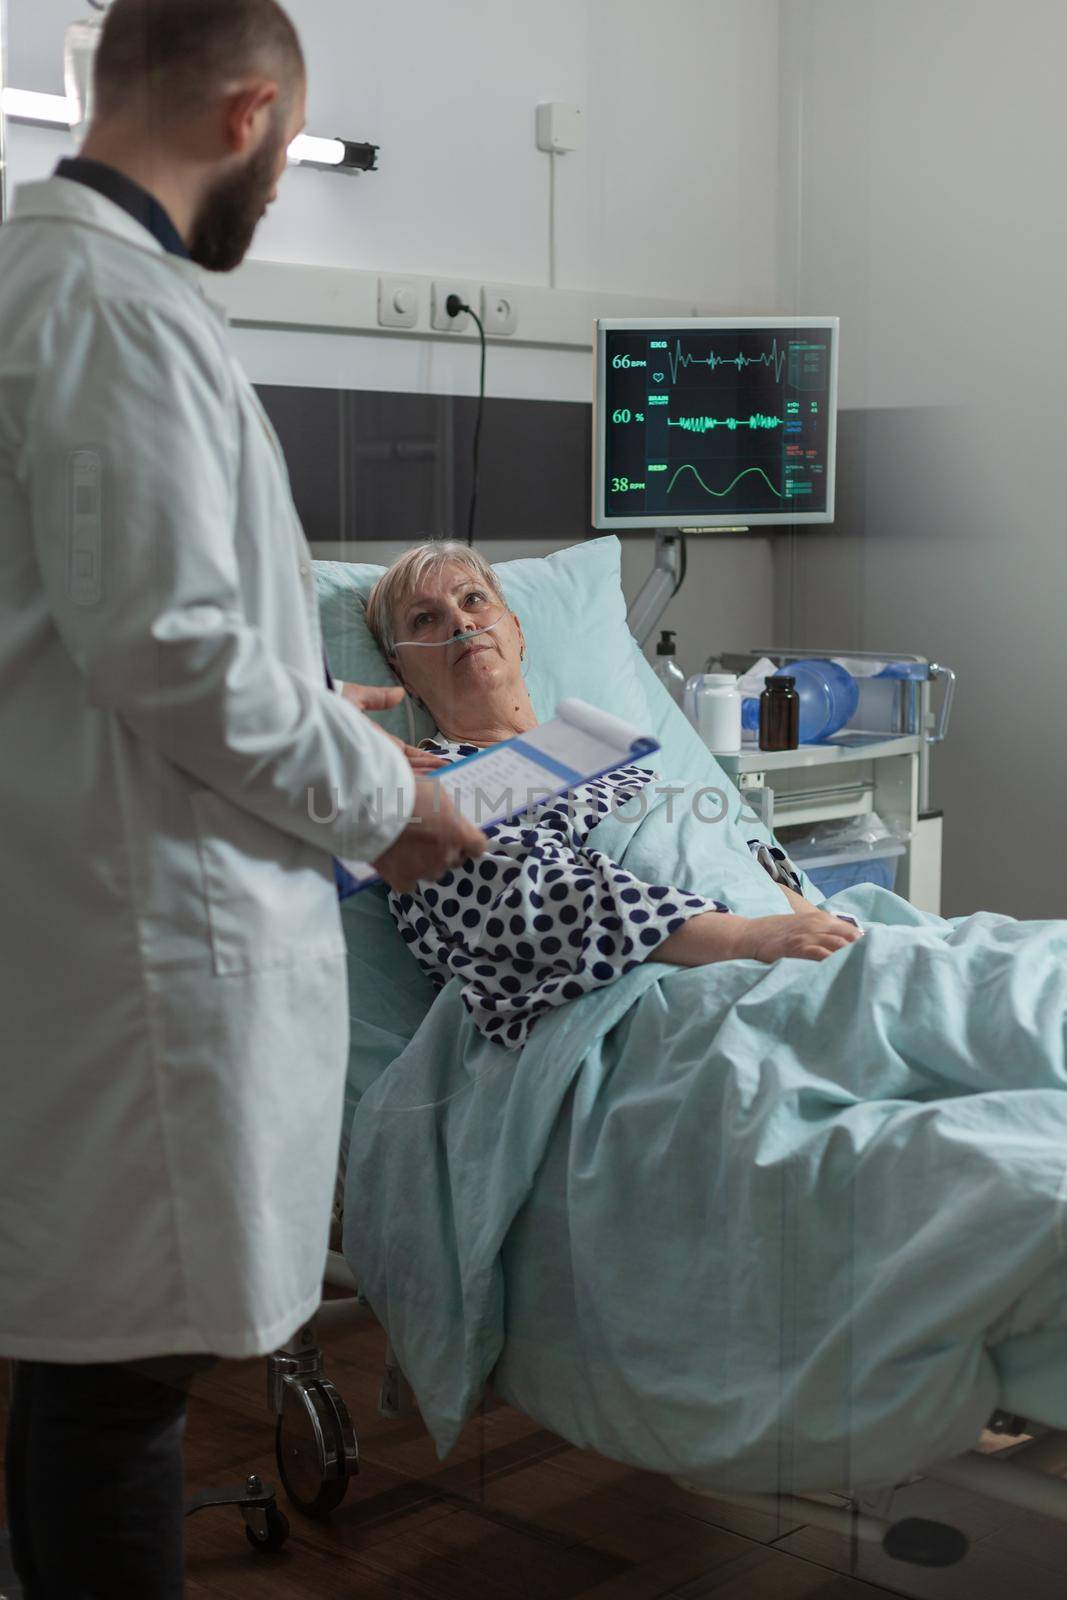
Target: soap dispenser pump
{"x":666,"y":667}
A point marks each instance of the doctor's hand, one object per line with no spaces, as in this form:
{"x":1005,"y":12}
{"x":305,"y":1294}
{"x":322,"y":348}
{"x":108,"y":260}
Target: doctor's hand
{"x":434,"y":840}
{"x":420,"y":761}
{"x":372,"y":696}
{"x":377,"y":697}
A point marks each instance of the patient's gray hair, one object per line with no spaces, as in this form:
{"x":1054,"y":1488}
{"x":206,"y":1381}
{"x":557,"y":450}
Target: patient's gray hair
{"x":406,"y":575}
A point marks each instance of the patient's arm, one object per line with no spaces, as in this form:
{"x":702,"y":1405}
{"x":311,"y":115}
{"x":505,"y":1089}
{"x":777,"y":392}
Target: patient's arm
{"x":720,"y":936}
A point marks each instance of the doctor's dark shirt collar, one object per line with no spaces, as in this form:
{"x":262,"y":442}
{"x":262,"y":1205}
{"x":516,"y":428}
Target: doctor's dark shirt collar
{"x":137,"y":202}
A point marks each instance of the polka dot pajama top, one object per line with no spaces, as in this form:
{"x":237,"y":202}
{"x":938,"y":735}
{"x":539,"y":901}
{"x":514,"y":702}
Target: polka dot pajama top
{"x":541,"y":918}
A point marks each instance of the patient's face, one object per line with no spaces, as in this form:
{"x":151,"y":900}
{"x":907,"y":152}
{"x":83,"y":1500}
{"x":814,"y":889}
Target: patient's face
{"x":453,"y":676}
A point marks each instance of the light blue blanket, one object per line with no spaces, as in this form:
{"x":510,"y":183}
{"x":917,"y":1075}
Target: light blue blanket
{"x":791,"y":1226}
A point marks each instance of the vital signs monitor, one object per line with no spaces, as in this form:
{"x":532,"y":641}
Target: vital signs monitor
{"x":714,"y":422}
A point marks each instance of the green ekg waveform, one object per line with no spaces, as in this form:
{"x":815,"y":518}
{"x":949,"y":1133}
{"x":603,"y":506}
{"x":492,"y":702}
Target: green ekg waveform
{"x":774,"y":358}
{"x":708,"y":424}
{"x":720,"y":494}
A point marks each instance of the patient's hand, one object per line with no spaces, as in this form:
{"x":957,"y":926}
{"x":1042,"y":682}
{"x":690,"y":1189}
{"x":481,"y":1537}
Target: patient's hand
{"x":809,"y":935}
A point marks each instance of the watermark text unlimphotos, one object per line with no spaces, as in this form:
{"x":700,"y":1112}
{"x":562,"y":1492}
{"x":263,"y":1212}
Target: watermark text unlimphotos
{"x":485,"y":805}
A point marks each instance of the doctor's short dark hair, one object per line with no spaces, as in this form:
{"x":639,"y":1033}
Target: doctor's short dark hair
{"x":175,"y":55}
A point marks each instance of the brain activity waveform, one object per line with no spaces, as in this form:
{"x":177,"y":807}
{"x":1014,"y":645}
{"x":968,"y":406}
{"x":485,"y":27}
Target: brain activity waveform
{"x":708,"y":424}
{"x":721,"y":494}
{"x":774,"y":358}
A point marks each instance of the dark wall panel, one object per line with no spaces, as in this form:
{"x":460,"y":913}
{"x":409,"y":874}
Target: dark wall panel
{"x":308,"y":423}
{"x":369,"y":465}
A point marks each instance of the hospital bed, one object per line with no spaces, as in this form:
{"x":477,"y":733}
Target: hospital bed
{"x":317,"y":1449}
{"x":1021,"y":1464}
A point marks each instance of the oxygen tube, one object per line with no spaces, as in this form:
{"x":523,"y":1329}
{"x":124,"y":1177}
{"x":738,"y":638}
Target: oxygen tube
{"x":442,"y":644}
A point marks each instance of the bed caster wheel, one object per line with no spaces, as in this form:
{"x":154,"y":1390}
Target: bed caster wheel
{"x":315,"y":1445}
{"x":271,"y":1532}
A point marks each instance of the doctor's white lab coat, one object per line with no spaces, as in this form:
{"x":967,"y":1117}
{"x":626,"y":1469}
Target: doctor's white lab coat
{"x":174,"y":778}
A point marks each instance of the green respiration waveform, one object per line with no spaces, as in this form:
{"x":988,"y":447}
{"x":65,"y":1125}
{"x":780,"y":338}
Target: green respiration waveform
{"x":708,"y":424}
{"x":720,"y":494}
{"x":774,"y":358}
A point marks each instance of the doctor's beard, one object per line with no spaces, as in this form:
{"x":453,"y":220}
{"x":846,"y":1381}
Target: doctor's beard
{"x":226,"y":223}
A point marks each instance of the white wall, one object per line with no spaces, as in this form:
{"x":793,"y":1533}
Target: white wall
{"x":922,"y":152}
{"x":674,"y":194}
{"x":449,"y":92}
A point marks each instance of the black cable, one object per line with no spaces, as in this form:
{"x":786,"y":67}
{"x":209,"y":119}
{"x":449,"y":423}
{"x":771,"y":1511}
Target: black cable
{"x":682,"y":563}
{"x":454,"y":305}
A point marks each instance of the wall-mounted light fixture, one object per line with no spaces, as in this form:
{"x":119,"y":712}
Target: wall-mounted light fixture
{"x":58,"y":111}
{"x":338,"y":155}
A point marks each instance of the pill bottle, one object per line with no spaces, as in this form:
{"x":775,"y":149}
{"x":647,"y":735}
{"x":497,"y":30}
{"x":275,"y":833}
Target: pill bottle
{"x":713,"y":705}
{"x":779,"y":715}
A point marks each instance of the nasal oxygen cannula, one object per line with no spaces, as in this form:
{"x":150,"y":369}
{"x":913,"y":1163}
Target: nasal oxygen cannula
{"x":440,"y":644}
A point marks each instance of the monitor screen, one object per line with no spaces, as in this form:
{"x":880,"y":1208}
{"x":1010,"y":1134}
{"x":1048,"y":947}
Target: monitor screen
{"x":714,"y":422}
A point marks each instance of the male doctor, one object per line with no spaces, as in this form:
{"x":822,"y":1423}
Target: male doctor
{"x":176,"y":776}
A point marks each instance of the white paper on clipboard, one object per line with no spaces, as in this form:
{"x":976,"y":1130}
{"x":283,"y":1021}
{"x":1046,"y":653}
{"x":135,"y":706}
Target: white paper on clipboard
{"x":497,"y":784}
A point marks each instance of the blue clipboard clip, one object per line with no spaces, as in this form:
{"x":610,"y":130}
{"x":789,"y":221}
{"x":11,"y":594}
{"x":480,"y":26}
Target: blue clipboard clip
{"x":346,"y":884}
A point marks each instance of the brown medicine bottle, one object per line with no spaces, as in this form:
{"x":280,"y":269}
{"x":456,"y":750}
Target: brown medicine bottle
{"x":779,"y":715}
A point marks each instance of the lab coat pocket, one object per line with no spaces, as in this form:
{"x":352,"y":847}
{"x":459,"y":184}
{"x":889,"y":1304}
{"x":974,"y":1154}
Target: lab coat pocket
{"x":270,"y":898}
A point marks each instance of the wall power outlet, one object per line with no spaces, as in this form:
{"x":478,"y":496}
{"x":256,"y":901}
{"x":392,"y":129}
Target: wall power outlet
{"x":439,"y":317}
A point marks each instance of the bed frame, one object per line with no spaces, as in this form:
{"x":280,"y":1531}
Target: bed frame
{"x":318,"y":1453}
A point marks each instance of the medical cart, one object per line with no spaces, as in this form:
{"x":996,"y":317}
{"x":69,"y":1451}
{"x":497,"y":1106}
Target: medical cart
{"x":879,"y":763}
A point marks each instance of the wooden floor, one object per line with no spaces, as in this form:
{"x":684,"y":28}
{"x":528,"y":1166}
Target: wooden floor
{"x":517,"y":1514}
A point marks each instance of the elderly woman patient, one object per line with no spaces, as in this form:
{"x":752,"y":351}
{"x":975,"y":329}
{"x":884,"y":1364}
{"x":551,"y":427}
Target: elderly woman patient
{"x":543,"y":917}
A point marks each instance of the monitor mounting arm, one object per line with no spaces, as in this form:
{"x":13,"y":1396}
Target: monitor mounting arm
{"x":660,"y":586}
{"x":664,"y":581}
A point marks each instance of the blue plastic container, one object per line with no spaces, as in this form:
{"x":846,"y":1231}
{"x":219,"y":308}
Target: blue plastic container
{"x":828,"y":694}
{"x":880,"y":870}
